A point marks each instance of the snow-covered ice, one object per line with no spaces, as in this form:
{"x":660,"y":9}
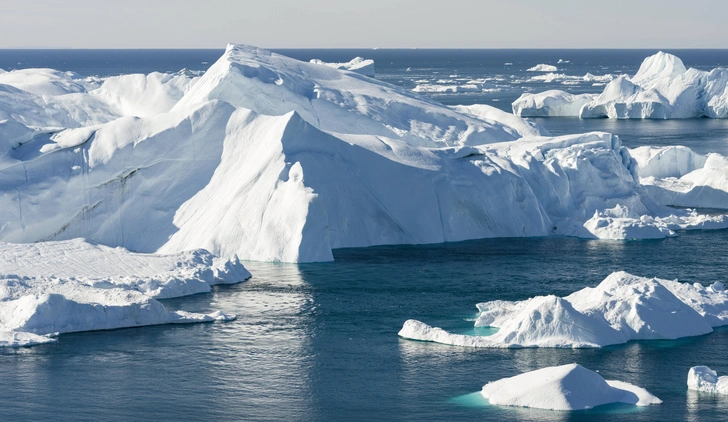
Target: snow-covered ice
{"x":542,"y":67}
{"x":59,"y":287}
{"x":357,"y":64}
{"x":621,"y":308}
{"x":551,"y":103}
{"x":565,"y":387}
{"x":663,"y":88}
{"x":268,"y":158}
{"x":704,"y":379}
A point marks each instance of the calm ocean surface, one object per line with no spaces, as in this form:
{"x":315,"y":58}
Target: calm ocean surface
{"x":318,"y":342}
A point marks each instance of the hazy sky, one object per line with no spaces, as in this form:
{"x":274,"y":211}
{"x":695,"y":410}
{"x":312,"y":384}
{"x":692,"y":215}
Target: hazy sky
{"x":365,"y":23}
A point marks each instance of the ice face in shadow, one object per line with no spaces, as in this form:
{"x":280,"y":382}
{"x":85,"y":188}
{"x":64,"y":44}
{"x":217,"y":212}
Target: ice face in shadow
{"x":621,"y":308}
{"x":566,"y":387}
{"x":663,"y":88}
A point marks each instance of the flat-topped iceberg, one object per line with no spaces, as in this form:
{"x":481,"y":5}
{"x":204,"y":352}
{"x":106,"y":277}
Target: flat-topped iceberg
{"x":565,"y":387}
{"x":59,"y":287}
{"x":357,"y":64}
{"x":269,"y":158}
{"x":706,"y":380}
{"x":663,"y":88}
{"x":621,"y":308}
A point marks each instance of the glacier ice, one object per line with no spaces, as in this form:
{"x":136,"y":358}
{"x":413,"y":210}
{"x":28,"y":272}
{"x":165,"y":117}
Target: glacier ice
{"x":704,"y":379}
{"x":542,"y":67}
{"x":269,"y":158}
{"x":621,"y":308}
{"x":662,"y":88}
{"x":48,"y":288}
{"x":565,"y":387}
{"x":357,"y":64}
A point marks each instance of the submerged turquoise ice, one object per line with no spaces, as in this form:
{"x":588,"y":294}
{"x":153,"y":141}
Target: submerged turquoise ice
{"x":319,"y":341}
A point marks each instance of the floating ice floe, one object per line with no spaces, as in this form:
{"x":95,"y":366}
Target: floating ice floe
{"x":621,"y":308}
{"x":543,"y":68}
{"x":704,"y":379}
{"x":59,"y":287}
{"x":663,"y":88}
{"x":269,"y":158}
{"x":357,"y":64}
{"x":565,"y":387}
{"x":551,"y":103}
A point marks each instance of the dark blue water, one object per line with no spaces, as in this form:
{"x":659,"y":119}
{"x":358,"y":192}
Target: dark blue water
{"x":319,"y":341}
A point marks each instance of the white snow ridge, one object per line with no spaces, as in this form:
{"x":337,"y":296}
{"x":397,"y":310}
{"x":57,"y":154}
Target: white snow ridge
{"x":566,"y":387}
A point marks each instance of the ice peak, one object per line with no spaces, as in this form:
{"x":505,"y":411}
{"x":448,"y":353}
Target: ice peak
{"x":659,"y":66}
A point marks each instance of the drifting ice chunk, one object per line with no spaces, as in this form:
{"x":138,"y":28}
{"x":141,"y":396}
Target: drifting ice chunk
{"x":702,"y":378}
{"x":566,"y":387}
{"x":543,"y":68}
{"x":357,"y":64}
{"x":621,"y":308}
{"x":619,"y":223}
{"x":550,"y":103}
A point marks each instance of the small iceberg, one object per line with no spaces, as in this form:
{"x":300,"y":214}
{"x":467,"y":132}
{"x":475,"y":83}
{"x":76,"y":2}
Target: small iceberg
{"x":357,"y":64}
{"x":706,"y":380}
{"x":543,"y":68}
{"x":621,"y":308}
{"x":565,"y":387}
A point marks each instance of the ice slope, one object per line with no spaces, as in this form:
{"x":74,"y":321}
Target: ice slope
{"x":58,"y":287}
{"x":273,"y":159}
{"x":565,"y":387}
{"x":679,"y":177}
{"x":663,"y":88}
{"x":621,"y":308}
{"x":357,"y":65}
{"x":704,"y":379}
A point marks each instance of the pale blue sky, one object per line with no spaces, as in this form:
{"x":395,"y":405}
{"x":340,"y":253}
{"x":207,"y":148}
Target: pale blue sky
{"x":365,"y":23}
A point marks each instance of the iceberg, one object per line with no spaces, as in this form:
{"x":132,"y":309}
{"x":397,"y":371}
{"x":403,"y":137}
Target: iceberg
{"x":551,"y":103}
{"x":269,"y":158}
{"x":704,"y":379}
{"x":357,"y":64}
{"x":662,"y":88}
{"x":679,"y":177}
{"x":59,"y":287}
{"x":543,"y":68}
{"x":621,"y":308}
{"x":565,"y":387}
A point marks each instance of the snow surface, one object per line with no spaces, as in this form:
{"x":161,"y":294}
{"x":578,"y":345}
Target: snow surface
{"x":543,"y":68}
{"x":663,"y":88}
{"x":621,"y":308}
{"x":565,"y":387}
{"x":704,"y":379}
{"x":357,"y":64}
{"x":60,"y":287}
{"x":268,"y":158}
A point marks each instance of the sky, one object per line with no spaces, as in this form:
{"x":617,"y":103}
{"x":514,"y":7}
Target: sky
{"x":364,"y":23}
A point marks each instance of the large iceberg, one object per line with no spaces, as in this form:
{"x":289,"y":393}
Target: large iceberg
{"x":663,"y":88}
{"x":565,"y":387}
{"x":269,"y":158}
{"x":621,"y":308}
{"x":59,"y":287}
{"x":706,"y":380}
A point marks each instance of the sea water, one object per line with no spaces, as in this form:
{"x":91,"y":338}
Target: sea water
{"x":319,"y":341}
